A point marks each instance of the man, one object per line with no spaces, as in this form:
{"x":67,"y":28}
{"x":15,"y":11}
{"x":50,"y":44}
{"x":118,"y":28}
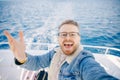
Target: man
{"x":67,"y":62}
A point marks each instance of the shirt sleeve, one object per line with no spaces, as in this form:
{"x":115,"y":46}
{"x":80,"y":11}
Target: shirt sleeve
{"x":91,"y":70}
{"x":37,"y":62}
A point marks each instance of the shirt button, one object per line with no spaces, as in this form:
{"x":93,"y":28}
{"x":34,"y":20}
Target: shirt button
{"x":84,"y":53}
{"x":60,"y":71}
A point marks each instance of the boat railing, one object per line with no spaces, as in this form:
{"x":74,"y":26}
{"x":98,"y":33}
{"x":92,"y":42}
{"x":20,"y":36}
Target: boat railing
{"x":49,"y":46}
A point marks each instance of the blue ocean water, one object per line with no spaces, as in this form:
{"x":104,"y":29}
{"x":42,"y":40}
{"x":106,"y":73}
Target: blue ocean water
{"x":99,"y":20}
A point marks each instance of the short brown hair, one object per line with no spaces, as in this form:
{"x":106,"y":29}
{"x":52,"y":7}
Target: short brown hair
{"x":69,"y":22}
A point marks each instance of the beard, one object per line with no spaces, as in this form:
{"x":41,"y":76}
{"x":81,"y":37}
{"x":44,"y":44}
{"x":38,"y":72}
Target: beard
{"x":69,"y":50}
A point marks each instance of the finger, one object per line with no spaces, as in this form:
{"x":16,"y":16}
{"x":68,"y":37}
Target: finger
{"x":21,"y":36}
{"x":9,"y":37}
{"x":11,"y":40}
{"x":7,"y":34}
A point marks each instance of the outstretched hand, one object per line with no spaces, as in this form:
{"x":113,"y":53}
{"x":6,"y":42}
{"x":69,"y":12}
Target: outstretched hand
{"x":17,"y":47}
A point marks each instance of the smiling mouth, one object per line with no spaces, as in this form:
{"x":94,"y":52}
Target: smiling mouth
{"x":68,"y":45}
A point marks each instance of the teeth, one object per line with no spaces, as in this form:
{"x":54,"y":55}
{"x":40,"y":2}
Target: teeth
{"x":68,"y":44}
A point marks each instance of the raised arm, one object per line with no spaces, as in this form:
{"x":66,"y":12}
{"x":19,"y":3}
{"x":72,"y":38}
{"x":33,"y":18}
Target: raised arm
{"x":17,"y":47}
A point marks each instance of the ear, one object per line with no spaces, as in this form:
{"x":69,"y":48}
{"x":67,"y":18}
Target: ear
{"x":58,"y":39}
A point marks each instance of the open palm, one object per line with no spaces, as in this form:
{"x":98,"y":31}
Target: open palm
{"x":17,"y":47}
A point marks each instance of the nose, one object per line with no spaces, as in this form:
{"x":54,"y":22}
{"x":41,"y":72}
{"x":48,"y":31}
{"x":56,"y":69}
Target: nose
{"x":67,"y":37}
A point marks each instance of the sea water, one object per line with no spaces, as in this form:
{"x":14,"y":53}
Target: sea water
{"x":99,"y":20}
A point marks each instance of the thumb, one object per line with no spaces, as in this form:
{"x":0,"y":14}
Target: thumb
{"x":21,"y":36}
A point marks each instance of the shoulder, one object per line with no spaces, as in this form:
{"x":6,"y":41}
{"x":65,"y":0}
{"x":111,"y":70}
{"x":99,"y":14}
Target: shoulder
{"x":84,"y":54}
{"x":54,"y":50}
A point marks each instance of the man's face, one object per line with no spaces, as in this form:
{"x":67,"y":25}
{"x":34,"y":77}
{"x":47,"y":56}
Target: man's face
{"x":69,"y":38}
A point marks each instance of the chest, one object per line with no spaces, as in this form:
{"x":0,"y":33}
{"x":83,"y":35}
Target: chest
{"x":69,"y":71}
